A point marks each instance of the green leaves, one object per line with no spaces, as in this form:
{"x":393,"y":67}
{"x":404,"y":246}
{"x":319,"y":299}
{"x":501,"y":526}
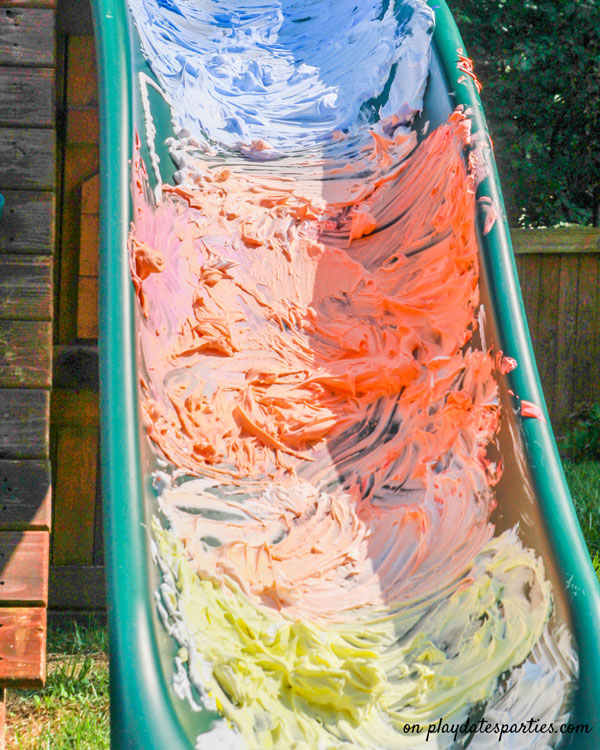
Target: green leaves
{"x":539,"y":62}
{"x":582,"y":443}
{"x":584,"y":484}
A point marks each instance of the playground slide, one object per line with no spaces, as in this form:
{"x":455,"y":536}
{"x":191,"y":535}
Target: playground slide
{"x":335,"y":513}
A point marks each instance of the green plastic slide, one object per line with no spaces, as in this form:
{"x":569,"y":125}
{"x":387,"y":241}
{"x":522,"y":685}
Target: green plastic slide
{"x":156,"y":701}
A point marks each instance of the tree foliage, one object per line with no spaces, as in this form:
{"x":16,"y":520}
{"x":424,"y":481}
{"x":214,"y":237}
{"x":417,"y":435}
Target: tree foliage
{"x":539,"y":63}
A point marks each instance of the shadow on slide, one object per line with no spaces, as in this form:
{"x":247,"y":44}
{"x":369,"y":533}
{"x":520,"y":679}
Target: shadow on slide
{"x":335,"y":515}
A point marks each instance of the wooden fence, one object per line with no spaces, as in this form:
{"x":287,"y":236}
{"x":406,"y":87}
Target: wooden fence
{"x":559,"y":272}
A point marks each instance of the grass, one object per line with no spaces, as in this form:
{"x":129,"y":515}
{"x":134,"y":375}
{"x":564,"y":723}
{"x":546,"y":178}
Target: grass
{"x":72,"y":711}
{"x":584,"y":482}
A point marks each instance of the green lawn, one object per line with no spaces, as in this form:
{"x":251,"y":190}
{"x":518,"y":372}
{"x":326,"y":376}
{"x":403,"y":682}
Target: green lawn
{"x":584,"y":483}
{"x":72,"y":712}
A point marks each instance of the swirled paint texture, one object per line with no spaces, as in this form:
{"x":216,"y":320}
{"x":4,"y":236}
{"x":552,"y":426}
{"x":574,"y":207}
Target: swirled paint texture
{"x":285,"y":72}
{"x":313,"y":377}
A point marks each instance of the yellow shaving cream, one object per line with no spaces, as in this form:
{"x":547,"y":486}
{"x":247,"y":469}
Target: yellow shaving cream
{"x":291,"y":684}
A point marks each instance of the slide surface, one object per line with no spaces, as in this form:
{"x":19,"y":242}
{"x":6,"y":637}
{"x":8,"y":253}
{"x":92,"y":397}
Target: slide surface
{"x":335,"y":513}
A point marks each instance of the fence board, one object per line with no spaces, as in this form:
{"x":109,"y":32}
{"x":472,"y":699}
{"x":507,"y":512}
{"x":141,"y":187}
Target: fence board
{"x":586,"y":349}
{"x":566,"y":344}
{"x":27,"y":224}
{"x":88,"y":245}
{"x":81,"y":162}
{"x":25,"y":287}
{"x":27,"y":97}
{"x":566,"y":338}
{"x":594,"y":323}
{"x":75,"y":424}
{"x":529,"y":279}
{"x":75,"y":406}
{"x":87,"y":308}
{"x":83,"y":126}
{"x":27,"y":159}
{"x":25,"y":354}
{"x":87,"y":297}
{"x":98,"y":558}
{"x":25,"y":495}
{"x":23,"y":647}
{"x":90,"y":195}
{"x":547,"y":330}
{"x":75,"y":495}
{"x":26,"y":36}
{"x":24,"y":419}
{"x":82,"y":87}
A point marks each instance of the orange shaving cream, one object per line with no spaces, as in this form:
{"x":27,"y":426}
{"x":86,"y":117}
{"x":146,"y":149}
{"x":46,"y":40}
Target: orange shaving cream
{"x":308,"y":356}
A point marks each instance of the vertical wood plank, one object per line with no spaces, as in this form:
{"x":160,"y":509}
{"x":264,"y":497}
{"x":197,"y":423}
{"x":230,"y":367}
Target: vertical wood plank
{"x":98,"y":516}
{"x":586,"y":362}
{"x":595,"y":323}
{"x":529,"y":278}
{"x":567,"y":334}
{"x":75,"y":407}
{"x":82,"y":86}
{"x":87,"y":302}
{"x":87,"y":309}
{"x":83,"y":126}
{"x":80,"y":163}
{"x":75,"y":495}
{"x":547,"y":327}
{"x":88,"y":245}
{"x":90,"y":195}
